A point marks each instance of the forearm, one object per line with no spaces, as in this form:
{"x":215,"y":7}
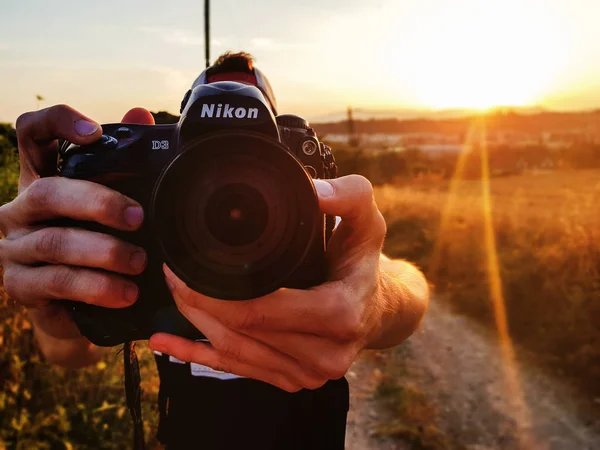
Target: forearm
{"x":402,"y":297}
{"x":60,"y":340}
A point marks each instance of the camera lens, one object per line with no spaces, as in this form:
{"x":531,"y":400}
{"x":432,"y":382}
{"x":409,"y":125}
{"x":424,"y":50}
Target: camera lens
{"x":235,"y":214}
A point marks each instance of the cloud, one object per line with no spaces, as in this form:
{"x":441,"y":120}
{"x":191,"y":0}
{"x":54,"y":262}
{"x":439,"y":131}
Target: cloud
{"x":268,"y":44}
{"x":180,"y":37}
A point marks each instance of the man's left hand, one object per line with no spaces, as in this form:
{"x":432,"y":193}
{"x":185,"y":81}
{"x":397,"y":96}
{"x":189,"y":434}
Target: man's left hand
{"x":294,"y":338}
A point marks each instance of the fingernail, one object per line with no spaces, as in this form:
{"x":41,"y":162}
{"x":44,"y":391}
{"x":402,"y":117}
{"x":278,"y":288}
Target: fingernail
{"x":324,"y":188}
{"x":137,"y":261}
{"x":131,"y":292}
{"x":85,"y":128}
{"x":134,"y":215}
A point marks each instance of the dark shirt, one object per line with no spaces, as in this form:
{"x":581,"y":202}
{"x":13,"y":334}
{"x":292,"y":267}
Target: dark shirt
{"x":205,"y":409}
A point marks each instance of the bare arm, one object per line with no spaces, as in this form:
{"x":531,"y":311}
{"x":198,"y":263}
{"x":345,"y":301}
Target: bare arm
{"x":403,"y":294}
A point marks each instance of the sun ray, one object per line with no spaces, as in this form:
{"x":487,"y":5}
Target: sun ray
{"x":449,"y":205}
{"x":510,"y":365}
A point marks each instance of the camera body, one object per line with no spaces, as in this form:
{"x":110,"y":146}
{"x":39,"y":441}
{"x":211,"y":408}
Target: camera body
{"x":229,"y":206}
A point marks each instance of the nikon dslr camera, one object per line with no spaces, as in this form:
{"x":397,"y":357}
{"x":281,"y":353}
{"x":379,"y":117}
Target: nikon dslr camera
{"x":229,"y":206}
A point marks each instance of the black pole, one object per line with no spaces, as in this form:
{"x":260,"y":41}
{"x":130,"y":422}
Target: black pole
{"x":207,"y":31}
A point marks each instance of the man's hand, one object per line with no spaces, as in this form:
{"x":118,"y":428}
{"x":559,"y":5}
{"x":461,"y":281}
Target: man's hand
{"x":298,"y":339}
{"x":43,"y":263}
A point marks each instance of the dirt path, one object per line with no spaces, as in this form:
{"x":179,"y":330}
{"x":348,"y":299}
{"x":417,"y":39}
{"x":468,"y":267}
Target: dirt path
{"x":459,"y":367}
{"x":365,"y":412}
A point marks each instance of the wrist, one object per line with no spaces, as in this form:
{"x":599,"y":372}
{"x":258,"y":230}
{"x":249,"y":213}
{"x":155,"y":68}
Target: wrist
{"x":54,"y":321}
{"x":401,"y":297}
{"x":59,"y":339}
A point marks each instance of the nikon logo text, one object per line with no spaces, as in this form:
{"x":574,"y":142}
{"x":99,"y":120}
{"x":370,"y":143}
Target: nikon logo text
{"x":228,"y":112}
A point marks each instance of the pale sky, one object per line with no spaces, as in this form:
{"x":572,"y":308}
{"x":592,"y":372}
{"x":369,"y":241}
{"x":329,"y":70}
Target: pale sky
{"x":104,"y":57}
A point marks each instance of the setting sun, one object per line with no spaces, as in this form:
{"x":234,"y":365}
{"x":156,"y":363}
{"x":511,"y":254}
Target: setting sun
{"x":478,"y":55}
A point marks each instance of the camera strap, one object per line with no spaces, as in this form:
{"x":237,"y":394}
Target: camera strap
{"x":133,"y":393}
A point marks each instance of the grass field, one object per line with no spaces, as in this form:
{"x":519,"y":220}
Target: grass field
{"x":542,"y":254}
{"x":546,"y":234}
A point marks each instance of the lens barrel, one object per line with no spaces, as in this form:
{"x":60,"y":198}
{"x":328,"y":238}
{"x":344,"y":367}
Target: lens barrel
{"x":235,"y":214}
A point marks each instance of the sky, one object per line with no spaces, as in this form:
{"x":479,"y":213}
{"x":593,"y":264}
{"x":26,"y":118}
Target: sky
{"x":320,"y":55}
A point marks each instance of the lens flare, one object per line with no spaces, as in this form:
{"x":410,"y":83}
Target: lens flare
{"x":477,"y":135}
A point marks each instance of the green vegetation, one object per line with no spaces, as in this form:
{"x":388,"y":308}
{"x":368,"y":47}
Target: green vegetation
{"x":47,"y":408}
{"x":412,"y":415}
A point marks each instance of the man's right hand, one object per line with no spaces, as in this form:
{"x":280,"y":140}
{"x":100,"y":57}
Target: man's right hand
{"x":44,"y":263}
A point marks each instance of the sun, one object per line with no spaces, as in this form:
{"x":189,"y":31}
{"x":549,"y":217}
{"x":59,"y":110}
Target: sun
{"x":476,"y":54}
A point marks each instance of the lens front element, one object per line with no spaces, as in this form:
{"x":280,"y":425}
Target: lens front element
{"x":235,"y":214}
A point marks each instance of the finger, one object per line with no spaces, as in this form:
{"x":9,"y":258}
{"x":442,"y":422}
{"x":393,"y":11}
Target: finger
{"x":75,"y":247}
{"x":32,"y":286}
{"x":37,"y":130}
{"x":351,"y":198}
{"x":331,"y":359}
{"x":205,"y":354}
{"x":54,"y":197}
{"x":320,"y":310}
{"x":138,"y":115}
{"x":232,"y":346}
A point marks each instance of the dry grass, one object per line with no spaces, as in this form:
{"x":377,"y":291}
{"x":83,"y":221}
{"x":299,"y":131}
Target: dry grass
{"x":547,"y":231}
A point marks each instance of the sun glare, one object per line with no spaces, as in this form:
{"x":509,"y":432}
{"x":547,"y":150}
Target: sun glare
{"x":478,"y":55}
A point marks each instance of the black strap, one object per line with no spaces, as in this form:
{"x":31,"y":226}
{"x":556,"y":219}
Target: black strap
{"x":133,"y":393}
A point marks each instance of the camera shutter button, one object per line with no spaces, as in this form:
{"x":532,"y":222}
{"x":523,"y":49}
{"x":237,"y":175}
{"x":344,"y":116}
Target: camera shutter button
{"x":123,"y":133}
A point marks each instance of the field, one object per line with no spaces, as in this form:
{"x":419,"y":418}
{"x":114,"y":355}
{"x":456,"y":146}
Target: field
{"x":519,"y":254}
{"x":530,"y":253}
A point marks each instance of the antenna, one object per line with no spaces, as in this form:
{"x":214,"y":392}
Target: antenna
{"x":207,"y":31}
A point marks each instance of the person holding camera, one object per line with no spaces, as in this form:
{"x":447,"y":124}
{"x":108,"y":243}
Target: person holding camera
{"x":270,"y":372}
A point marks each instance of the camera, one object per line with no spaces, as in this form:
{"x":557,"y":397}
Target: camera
{"x":229,"y":206}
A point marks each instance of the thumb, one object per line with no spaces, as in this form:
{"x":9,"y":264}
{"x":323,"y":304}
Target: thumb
{"x":351,"y":198}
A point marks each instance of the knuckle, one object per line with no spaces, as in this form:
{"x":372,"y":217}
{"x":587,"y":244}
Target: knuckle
{"x":346,"y":323}
{"x":4,"y":249}
{"x":333,"y":367}
{"x":5,"y":213}
{"x":62,"y":280}
{"x":11,"y":282}
{"x":248,"y":317}
{"x":349,"y":326}
{"x":50,"y":244}
{"x":379,"y":227}
{"x":315,"y":383}
{"x":364,"y":188}
{"x":222,"y":366}
{"x":105,"y":287}
{"x":229,"y":350}
{"x":22,"y":120}
{"x":114,"y":253}
{"x":40,"y":193}
{"x":106,"y":203}
{"x":57,"y":114}
{"x":287,"y":385}
{"x":60,"y":109}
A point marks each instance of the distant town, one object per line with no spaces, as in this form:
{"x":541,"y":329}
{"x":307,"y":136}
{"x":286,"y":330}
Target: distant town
{"x":515,"y":141}
{"x":503,"y":128}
